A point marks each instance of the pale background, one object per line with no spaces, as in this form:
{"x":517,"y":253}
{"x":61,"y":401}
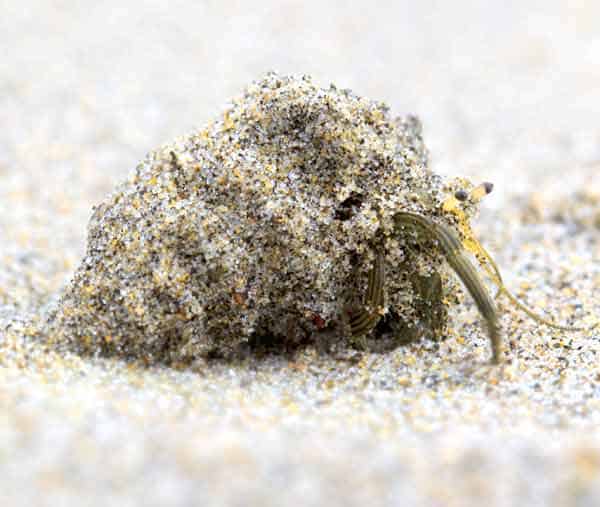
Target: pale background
{"x":508,"y":92}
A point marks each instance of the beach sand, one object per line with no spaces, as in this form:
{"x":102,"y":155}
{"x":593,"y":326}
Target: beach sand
{"x":507,"y":94}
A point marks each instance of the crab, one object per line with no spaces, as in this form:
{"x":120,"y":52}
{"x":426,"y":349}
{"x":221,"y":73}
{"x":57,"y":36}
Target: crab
{"x":299,"y":213}
{"x":365,"y":319}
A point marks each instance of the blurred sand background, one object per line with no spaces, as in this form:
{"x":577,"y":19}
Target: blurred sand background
{"x":508,"y":92}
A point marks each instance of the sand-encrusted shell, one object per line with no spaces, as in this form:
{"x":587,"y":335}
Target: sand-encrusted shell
{"x":263,"y":223}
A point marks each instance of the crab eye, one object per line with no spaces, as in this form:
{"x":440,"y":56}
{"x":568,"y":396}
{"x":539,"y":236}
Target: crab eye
{"x":461,"y":195}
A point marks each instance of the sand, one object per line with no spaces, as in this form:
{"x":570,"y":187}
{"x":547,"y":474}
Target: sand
{"x":507,"y":94}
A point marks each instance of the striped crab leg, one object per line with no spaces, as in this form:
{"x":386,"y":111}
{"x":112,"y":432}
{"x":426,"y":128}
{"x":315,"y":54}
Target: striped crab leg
{"x":456,"y":256}
{"x":364,"y":320}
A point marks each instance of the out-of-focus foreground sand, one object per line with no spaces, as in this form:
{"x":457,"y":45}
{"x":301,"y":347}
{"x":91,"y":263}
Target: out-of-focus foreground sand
{"x":508,"y":93}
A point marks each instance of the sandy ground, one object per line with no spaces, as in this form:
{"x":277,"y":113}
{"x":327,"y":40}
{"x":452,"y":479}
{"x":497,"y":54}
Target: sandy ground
{"x":509,"y":94}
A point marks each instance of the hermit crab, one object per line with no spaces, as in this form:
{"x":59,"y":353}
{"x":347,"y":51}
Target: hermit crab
{"x":300,"y":214}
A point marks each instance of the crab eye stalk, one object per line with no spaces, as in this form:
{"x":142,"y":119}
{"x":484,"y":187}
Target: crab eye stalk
{"x":456,"y":257}
{"x":480,"y":191}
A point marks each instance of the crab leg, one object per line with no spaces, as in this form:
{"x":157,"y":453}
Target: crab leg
{"x":456,"y":256}
{"x":365,"y":319}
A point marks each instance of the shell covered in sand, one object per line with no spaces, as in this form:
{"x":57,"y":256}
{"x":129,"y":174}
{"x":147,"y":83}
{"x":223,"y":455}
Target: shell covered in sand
{"x":263,"y":224}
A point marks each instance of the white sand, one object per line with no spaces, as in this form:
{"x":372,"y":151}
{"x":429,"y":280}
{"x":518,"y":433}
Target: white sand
{"x":507,"y":94}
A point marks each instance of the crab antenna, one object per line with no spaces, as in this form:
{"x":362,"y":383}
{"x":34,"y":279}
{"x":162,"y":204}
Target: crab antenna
{"x":455,"y":255}
{"x":496,"y":277}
